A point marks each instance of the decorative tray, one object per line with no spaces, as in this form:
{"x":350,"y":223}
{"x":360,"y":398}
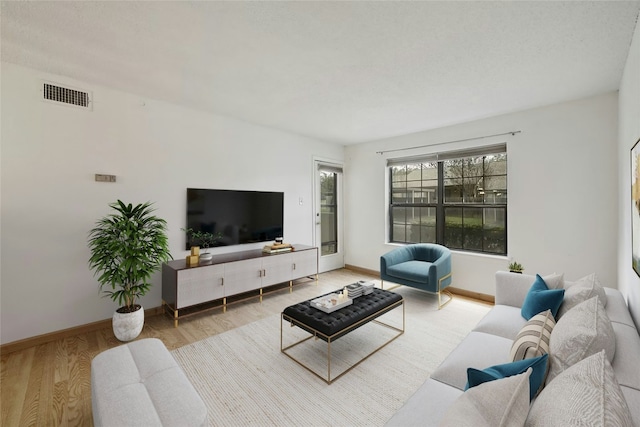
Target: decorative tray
{"x":326,"y":303}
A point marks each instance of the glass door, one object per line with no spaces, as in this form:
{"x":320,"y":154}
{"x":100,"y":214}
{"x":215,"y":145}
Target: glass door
{"x":328,"y":212}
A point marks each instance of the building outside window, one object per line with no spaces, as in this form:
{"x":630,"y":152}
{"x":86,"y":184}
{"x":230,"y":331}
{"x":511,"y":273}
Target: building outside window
{"x":457,"y":199}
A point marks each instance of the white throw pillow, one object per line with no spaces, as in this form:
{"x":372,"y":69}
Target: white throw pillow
{"x":586,"y":394}
{"x":499,"y":403}
{"x":554,"y":281}
{"x":581,"y":290}
{"x":580,"y":333}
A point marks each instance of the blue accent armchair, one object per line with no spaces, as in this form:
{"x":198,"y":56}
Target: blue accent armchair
{"x":424,"y":266}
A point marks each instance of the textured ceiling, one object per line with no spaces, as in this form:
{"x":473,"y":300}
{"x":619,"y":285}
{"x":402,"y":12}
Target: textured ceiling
{"x":339,"y":71}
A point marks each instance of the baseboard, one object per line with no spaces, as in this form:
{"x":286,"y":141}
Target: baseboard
{"x":490,"y":299}
{"x":456,"y":291}
{"x":362,"y":270}
{"x":65,"y":333}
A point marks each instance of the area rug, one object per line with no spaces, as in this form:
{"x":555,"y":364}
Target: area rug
{"x":245,"y":380}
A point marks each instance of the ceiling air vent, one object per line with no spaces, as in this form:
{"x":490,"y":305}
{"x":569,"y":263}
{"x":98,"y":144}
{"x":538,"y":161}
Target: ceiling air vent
{"x":56,"y":93}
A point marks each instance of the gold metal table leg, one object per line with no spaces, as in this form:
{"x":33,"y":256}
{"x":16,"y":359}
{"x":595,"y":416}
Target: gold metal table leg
{"x":316,"y":334}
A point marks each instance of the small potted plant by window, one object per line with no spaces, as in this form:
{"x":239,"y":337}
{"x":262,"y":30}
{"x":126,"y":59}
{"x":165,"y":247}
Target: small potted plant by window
{"x":204,"y":239}
{"x":516,"y":267}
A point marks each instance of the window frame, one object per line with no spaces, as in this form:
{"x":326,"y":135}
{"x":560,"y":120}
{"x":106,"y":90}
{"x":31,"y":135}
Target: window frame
{"x":497,"y":208}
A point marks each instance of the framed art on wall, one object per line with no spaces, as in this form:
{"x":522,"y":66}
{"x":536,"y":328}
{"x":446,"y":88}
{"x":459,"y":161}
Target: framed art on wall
{"x":635,"y":207}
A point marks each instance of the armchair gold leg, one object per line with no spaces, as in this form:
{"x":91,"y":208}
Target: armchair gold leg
{"x":390,"y":288}
{"x":447,"y":293}
{"x":443,"y":291}
{"x":439,"y":292}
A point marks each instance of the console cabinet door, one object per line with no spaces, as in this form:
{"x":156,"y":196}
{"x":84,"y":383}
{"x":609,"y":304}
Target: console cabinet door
{"x":304,"y":263}
{"x":198,"y":285}
{"x":242,"y":276}
{"x":276,"y":269}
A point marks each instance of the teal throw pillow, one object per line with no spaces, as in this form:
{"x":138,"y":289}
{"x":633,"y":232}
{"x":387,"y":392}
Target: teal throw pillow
{"x":536,"y":380}
{"x":540,"y":298}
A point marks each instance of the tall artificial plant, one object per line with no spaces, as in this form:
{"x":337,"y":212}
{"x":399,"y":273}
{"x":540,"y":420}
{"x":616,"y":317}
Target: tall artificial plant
{"x":127,"y":247}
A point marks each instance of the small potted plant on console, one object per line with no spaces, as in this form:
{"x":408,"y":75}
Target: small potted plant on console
{"x":203,"y":238}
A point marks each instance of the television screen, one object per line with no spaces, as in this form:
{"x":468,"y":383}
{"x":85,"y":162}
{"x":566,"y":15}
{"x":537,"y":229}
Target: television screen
{"x":240,"y":216}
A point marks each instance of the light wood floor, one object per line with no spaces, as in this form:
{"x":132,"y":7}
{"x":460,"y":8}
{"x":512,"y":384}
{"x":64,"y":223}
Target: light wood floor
{"x":50,"y":384}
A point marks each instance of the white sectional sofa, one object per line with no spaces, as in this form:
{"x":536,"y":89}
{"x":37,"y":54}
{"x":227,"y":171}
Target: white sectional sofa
{"x":140,"y":384}
{"x":490,"y":344}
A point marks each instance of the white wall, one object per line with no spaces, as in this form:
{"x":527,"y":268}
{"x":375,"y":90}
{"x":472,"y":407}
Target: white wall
{"x":563,"y":169}
{"x":562,"y":207}
{"x":629,"y":132}
{"x":50,"y":200}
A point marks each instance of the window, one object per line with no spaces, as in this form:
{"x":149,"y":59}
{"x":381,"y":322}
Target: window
{"x":457,"y":199}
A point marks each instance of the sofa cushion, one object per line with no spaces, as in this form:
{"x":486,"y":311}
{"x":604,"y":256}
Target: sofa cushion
{"x":533,"y":339}
{"x":476,"y":349}
{"x":416,"y":271}
{"x":625,"y":362}
{"x":141,"y":384}
{"x":541,"y":298}
{"x":632,"y":396}
{"x":587,"y":393}
{"x":581,"y":290}
{"x":617,"y":309}
{"x":500,"y":403}
{"x":581,"y":332}
{"x":426,"y":407}
{"x":502,"y":320}
{"x":536,"y":380}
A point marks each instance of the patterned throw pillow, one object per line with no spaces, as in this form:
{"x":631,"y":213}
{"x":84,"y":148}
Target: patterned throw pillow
{"x":582,"y":290}
{"x":585,"y":394}
{"x":500,"y":403}
{"x":583,"y":331}
{"x":533,"y":339}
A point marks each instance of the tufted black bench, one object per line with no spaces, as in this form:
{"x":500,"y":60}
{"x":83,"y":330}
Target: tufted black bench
{"x":331,"y":326}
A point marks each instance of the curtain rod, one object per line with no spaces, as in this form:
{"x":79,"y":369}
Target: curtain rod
{"x":449,"y":142}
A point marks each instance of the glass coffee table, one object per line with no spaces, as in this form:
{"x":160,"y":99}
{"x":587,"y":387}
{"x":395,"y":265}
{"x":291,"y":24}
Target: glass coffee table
{"x":329,"y":326}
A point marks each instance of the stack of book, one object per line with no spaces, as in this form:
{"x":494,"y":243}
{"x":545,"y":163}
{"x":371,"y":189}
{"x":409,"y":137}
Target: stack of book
{"x":355,"y":290}
{"x":277,"y":247}
{"x":367,"y":287}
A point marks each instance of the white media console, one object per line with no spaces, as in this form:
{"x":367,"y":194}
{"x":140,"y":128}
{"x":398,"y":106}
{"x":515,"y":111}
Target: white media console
{"x":232,"y":277}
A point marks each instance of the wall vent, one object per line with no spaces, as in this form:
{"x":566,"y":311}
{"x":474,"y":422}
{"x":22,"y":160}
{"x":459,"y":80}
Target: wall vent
{"x":57,"y":93}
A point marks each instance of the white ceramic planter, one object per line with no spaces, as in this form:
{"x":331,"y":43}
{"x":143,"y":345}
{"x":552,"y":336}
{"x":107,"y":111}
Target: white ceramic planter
{"x":127,"y":326}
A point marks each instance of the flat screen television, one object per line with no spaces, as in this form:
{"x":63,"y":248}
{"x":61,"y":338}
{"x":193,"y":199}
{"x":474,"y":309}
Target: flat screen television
{"x":241,"y":216}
